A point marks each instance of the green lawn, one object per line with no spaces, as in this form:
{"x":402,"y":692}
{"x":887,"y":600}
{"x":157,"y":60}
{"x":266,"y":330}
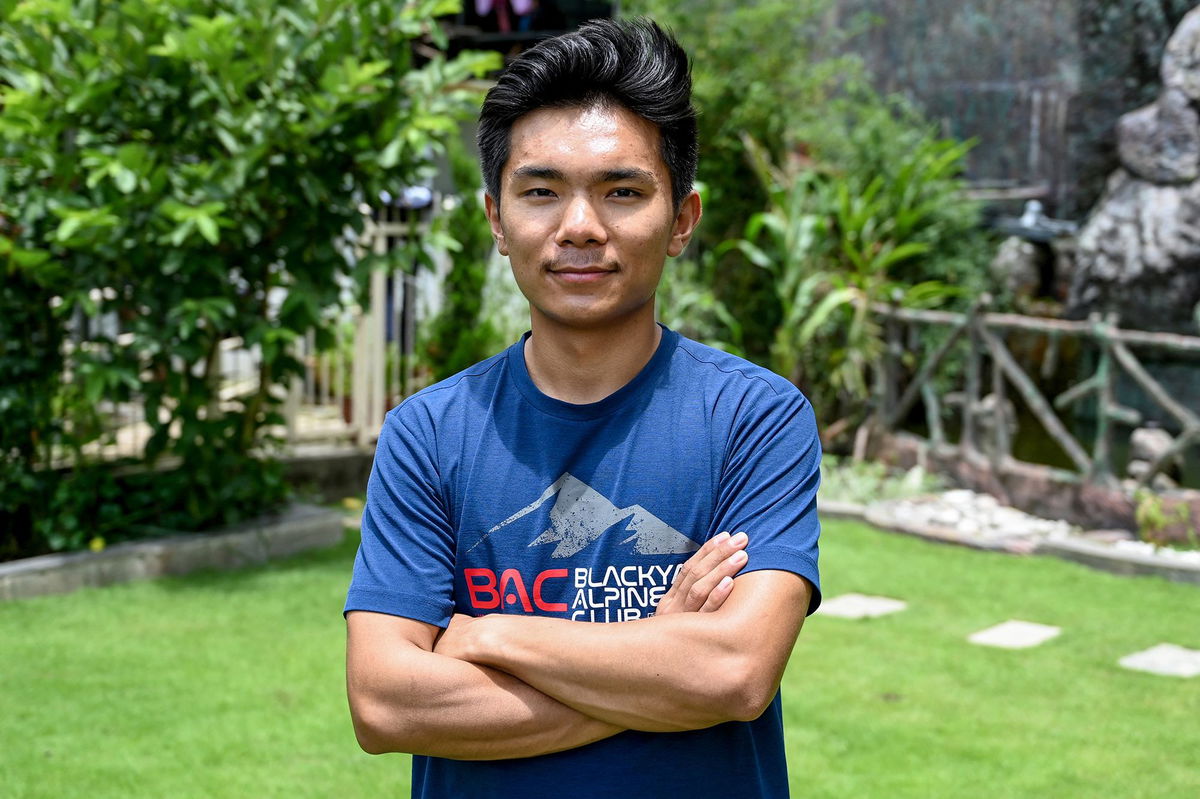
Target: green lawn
{"x":230,"y":685}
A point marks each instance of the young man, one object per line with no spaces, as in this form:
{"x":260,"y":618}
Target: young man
{"x":543,"y":603}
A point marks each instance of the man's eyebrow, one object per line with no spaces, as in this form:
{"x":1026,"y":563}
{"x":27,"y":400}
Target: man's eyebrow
{"x":618,"y":175}
{"x":537,"y":173}
{"x":626,"y":173}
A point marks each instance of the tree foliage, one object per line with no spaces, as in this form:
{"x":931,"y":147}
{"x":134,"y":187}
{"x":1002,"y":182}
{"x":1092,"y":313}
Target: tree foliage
{"x":189,"y":167}
{"x":890,"y":223}
{"x":461,"y":335}
{"x":760,"y":69}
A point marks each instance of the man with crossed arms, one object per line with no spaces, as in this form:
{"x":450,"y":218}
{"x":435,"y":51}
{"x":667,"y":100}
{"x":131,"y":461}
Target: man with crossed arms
{"x":544,"y":601}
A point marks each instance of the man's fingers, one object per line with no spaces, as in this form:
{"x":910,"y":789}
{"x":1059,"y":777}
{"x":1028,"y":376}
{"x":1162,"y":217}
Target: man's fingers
{"x":701,"y":596}
{"x":717,"y":597}
{"x":703,"y":571}
{"x":710,"y":556}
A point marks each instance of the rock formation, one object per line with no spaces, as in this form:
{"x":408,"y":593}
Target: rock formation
{"x":1139,"y":253}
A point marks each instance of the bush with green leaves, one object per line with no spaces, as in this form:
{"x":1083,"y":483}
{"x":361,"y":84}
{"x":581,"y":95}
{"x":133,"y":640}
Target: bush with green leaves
{"x":761,"y":69}
{"x":461,"y":335}
{"x":877,"y":215}
{"x":189,"y":167}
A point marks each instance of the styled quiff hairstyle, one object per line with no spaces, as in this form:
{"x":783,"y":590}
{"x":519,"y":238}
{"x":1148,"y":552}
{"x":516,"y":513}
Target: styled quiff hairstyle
{"x":629,"y":63}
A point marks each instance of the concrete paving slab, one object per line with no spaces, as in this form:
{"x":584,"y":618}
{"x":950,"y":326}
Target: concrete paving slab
{"x":1167,"y":660}
{"x":860,"y":606}
{"x":1015,"y":634}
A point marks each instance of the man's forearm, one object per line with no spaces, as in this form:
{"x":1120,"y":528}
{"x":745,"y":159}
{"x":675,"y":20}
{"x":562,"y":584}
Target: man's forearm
{"x":666,"y":673}
{"x":406,"y":699}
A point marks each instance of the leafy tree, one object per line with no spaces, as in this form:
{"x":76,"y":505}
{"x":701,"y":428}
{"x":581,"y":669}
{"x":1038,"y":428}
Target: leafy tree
{"x":761,"y":69}
{"x":461,"y":335}
{"x":189,"y":167}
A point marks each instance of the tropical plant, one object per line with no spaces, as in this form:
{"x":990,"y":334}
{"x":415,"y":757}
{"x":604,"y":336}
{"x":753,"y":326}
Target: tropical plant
{"x":687,"y":304}
{"x":836,"y":241}
{"x":187,"y":168}
{"x":763,"y":69}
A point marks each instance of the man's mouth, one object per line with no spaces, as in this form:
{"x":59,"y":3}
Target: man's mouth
{"x":580,"y":270}
{"x":581,"y":274}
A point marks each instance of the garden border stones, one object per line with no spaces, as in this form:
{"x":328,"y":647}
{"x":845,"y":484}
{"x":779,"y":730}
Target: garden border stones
{"x":296,"y":529}
{"x":1082,"y":549}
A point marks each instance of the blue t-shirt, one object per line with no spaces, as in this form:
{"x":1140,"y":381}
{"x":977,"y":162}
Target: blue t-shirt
{"x":487,"y":496}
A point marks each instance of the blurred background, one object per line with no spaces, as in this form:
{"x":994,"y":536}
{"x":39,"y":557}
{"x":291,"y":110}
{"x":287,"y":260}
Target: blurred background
{"x":234,"y":234}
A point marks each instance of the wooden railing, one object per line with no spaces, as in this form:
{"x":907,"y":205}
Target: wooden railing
{"x":344,"y":393}
{"x":990,"y":371}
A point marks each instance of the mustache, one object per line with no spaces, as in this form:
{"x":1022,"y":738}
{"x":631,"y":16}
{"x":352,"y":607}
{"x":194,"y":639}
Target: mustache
{"x":577,"y":260}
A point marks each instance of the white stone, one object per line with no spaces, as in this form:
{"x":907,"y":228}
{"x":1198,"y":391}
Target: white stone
{"x":968,"y":527}
{"x":860,"y":606}
{"x":1014,"y":634}
{"x":945,"y":517}
{"x":959,"y":496}
{"x":1167,"y":660}
{"x":986,"y":501}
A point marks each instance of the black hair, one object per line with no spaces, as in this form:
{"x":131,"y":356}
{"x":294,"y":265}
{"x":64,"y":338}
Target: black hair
{"x":632,"y":63}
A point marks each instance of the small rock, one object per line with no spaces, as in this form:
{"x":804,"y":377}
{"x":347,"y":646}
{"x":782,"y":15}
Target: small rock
{"x":1181,"y":58}
{"x":1015,"y":267}
{"x":1161,"y":142}
{"x":1148,"y":444}
{"x":945,"y":517}
{"x":1108,"y":536}
{"x":968,"y":527}
{"x":1137,"y":468}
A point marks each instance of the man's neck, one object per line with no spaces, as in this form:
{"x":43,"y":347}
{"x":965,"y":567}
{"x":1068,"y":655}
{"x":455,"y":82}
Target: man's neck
{"x":584,"y":366}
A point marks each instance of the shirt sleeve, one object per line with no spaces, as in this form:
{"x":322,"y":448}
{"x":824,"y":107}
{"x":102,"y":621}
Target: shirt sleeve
{"x":769,"y":481}
{"x":405,"y":562}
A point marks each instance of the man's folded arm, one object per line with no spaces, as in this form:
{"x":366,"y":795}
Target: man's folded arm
{"x":405,"y":698}
{"x":671,"y":672}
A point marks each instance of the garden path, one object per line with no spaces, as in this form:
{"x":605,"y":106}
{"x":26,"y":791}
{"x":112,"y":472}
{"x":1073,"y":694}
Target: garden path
{"x":1166,"y":659}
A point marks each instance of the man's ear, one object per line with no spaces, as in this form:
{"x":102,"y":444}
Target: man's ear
{"x":493,"y":215}
{"x":685,"y":223}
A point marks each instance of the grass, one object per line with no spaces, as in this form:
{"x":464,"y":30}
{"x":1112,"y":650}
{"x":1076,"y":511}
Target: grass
{"x":231,"y":685}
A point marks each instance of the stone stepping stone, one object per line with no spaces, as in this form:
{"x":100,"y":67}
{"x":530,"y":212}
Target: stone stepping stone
{"x":1167,"y":660}
{"x":1014,"y":634}
{"x":860,"y":606}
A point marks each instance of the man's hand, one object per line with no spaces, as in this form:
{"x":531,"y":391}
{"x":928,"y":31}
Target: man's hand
{"x":703,"y":585}
{"x":706,"y":579}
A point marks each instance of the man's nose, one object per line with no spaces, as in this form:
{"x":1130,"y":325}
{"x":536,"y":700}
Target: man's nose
{"x":581,"y":225}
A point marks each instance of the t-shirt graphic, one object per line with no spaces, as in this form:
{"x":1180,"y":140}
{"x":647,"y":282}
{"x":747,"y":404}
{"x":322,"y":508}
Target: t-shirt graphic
{"x":582,"y":514}
{"x":591,"y":561}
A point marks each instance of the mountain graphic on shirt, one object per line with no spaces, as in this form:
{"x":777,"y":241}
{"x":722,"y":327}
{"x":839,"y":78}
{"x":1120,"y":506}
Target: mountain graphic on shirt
{"x":581,"y":514}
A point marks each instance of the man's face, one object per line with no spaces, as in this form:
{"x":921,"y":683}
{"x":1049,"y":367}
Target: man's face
{"x":585,"y":215}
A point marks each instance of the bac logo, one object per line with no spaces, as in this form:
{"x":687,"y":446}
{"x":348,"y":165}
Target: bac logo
{"x":488,"y":593}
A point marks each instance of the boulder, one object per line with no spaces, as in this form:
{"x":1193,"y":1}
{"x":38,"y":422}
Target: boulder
{"x":1149,"y":444}
{"x":1015,"y":267}
{"x":1181,"y":58}
{"x":1139,"y":255}
{"x":1161,"y":142}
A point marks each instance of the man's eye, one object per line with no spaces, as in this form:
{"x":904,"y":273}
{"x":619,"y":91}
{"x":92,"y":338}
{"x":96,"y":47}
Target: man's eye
{"x":539,"y":192}
{"x":626,"y":193}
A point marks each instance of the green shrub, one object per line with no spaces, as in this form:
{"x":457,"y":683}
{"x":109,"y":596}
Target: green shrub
{"x":460,"y":335}
{"x":760,"y":69}
{"x":188,"y":166}
{"x":876,"y":217}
